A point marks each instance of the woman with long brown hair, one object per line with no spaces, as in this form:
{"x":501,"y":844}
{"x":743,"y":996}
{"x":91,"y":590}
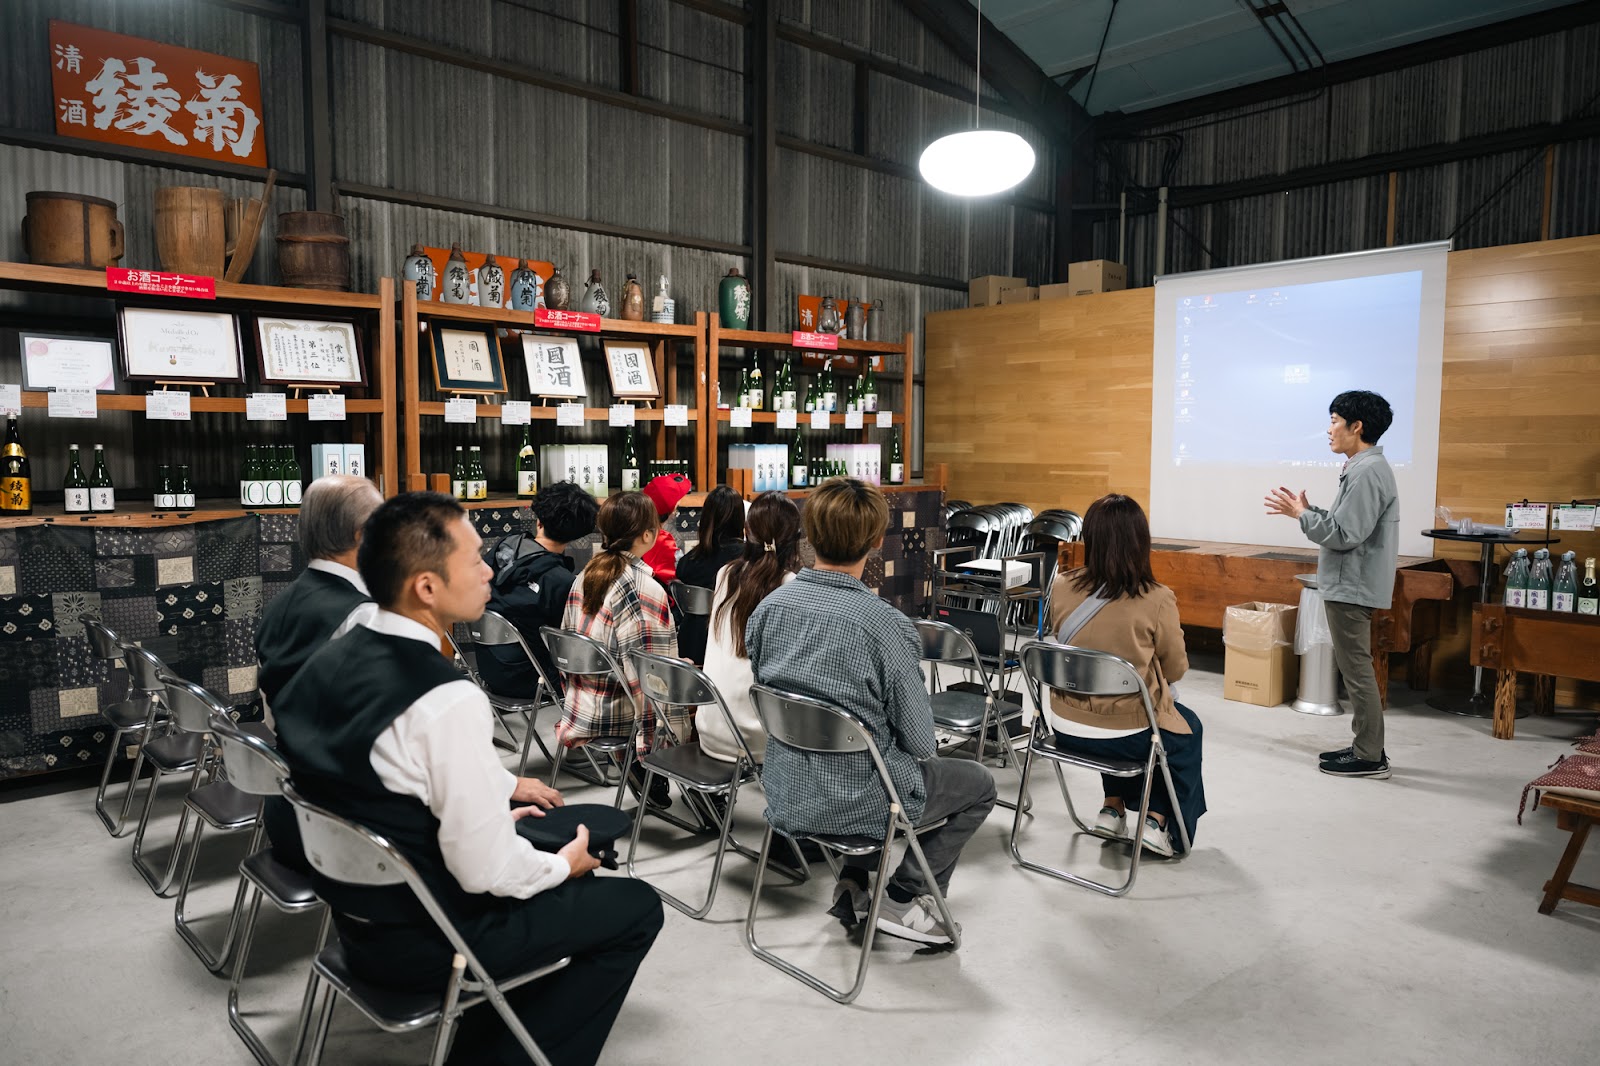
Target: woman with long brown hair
{"x":771,"y":557}
{"x":721,"y":542}
{"x":617,"y":602}
{"x":1114,"y":604}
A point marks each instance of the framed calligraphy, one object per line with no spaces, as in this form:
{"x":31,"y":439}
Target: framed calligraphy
{"x":66,"y":361}
{"x":163,"y":345}
{"x":467,"y":359}
{"x":299,"y":351}
{"x":633,"y":372}
{"x":555,"y":367}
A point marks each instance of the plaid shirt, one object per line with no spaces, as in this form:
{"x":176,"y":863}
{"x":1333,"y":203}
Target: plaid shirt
{"x":825,"y":634}
{"x":635,"y":616}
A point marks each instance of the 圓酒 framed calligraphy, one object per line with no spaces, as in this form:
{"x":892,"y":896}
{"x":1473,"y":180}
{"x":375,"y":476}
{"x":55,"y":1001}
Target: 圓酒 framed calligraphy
{"x":467,"y":359}
{"x":163,"y":345}
{"x":143,"y":94}
{"x":555,"y":366}
{"x":298,"y":351}
{"x":633,"y":372}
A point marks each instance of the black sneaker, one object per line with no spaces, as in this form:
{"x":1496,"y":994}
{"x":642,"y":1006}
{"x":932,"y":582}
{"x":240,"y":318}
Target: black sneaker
{"x":660,"y":789}
{"x":1330,"y":756}
{"x":1350,"y":766}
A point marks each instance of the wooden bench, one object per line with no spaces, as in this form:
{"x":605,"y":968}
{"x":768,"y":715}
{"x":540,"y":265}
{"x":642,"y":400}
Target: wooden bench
{"x":1576,"y":816}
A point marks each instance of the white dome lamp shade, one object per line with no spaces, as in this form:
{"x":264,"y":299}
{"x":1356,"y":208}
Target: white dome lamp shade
{"x":977,"y":162}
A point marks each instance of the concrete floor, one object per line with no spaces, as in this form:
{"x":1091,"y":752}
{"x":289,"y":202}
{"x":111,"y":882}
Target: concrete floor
{"x":1319,"y":921}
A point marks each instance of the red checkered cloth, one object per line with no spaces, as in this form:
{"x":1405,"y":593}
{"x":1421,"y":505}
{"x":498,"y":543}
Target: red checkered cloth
{"x":1569,"y":775}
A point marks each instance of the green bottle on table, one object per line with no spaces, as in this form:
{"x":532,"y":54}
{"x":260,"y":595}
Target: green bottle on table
{"x":1539,"y":581}
{"x":1517,"y":579}
{"x":1564,"y":593}
{"x":102,"y":493}
{"x":458,"y":475}
{"x":75,"y":487}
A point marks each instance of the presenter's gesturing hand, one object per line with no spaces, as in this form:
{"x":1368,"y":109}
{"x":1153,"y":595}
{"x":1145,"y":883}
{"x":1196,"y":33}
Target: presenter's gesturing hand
{"x":1281,"y":501}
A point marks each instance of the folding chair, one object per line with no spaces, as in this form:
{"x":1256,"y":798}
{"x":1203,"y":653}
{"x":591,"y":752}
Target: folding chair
{"x":958,"y":709}
{"x":256,"y":769}
{"x":815,"y":725}
{"x":988,"y":636}
{"x":576,"y":655}
{"x":348,"y":853}
{"x":1083,"y":672}
{"x":130,"y":718}
{"x":691,"y":599}
{"x":183,"y":749}
{"x":493,"y":630}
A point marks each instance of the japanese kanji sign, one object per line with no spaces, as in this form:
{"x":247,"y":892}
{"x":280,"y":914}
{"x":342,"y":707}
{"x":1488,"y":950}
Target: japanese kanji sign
{"x":141,"y":94}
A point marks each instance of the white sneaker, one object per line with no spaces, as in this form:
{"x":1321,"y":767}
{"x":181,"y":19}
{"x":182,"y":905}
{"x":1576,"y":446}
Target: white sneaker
{"x":1112,"y":824}
{"x":917,"y":920}
{"x":1155,"y":838}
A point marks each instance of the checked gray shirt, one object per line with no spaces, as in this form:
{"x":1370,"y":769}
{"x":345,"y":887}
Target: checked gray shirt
{"x":825,"y":634}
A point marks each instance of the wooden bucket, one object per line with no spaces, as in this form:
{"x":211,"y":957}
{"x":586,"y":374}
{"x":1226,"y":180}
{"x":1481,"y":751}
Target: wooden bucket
{"x":68,"y":229}
{"x":313,"y":250}
{"x":191,"y":236}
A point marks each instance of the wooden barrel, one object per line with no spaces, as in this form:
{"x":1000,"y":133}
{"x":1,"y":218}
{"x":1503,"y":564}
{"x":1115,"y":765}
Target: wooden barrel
{"x":68,"y":229}
{"x":313,"y":250}
{"x":191,"y":236}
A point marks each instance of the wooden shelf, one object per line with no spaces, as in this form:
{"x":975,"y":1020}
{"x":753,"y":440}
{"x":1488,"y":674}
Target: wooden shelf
{"x":140,"y":515}
{"x":548,"y":414}
{"x":93,"y":283}
{"x":525,"y":320}
{"x":749,"y":338}
{"x":117,"y":401}
{"x":762,"y":418}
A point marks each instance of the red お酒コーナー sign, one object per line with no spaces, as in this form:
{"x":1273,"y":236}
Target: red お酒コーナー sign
{"x":161,"y":283}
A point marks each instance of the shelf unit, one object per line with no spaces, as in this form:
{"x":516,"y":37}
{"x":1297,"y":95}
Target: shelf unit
{"x":719,"y":338}
{"x":375,"y":316}
{"x":415,"y":316}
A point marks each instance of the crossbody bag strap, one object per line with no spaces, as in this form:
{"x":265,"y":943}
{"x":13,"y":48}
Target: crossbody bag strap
{"x":1080,"y":617}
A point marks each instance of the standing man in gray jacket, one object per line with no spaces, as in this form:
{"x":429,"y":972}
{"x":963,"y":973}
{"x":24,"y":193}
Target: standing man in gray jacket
{"x":1359,"y":538}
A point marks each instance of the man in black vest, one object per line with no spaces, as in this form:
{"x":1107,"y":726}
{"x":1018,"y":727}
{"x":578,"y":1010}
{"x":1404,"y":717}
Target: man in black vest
{"x":387,"y":733}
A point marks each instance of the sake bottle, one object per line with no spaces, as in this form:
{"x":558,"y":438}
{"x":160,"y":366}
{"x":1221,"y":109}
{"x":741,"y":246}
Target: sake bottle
{"x":783,"y":395}
{"x":527,"y":468}
{"x":1517,"y":579}
{"x":758,"y":390}
{"x":897,"y":463}
{"x":183,"y":491}
{"x":458,"y":475}
{"x":289,"y":472}
{"x":477,"y":478}
{"x":102,"y":494}
{"x":869,"y":389}
{"x":16,"y":477}
{"x":1589,"y":590}
{"x":75,"y":487}
{"x":797,"y":461}
{"x":1564,"y":593}
{"x":630,"y":463}
{"x":166,"y":494}
{"x":1539,"y":581}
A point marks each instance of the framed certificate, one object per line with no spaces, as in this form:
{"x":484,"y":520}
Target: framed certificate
{"x":555,"y":367}
{"x":633,"y":372}
{"x":163,"y":345}
{"x":299,"y":351}
{"x":467,"y":359}
{"x":64,"y":361}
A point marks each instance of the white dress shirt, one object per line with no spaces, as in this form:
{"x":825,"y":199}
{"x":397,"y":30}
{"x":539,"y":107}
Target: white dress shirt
{"x":362,"y":611}
{"x":441,"y":750}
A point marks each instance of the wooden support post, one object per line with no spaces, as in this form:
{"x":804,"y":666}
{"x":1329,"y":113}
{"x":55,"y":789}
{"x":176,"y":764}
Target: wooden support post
{"x":1505,"y":705}
{"x":410,"y":373}
{"x":1549,"y":191}
{"x":1544,"y":694}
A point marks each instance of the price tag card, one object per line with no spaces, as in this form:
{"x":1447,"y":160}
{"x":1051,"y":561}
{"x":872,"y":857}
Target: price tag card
{"x":1575,"y":516}
{"x":885,"y":419}
{"x":72,"y":403}
{"x":515,"y":412}
{"x":10,"y":400}
{"x":462,"y":410}
{"x":1527,"y":515}
{"x":167,"y":406}
{"x":326,"y":407}
{"x":677,"y":414}
{"x":265,"y":407}
{"x":819,"y":420}
{"x":853,"y":420}
{"x":739,"y":418}
{"x":623,"y":414}
{"x":788,"y":419}
{"x":569,"y":414}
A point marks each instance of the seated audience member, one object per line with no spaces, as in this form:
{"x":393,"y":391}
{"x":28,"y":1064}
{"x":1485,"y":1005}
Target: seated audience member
{"x":665,"y":492}
{"x":826,"y":634}
{"x":1133,"y":618}
{"x":616,"y":602}
{"x":387,"y":733}
{"x":771,"y":556}
{"x":721,"y":530}
{"x":532,"y":590}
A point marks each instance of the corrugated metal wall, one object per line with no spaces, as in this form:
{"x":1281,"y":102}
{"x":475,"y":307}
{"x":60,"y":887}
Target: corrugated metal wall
{"x":1495,"y":198}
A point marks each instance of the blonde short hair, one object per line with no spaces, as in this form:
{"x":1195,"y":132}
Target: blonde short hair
{"x":845,"y":519}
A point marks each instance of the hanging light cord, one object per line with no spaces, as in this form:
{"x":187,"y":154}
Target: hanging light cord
{"x":977,"y":71}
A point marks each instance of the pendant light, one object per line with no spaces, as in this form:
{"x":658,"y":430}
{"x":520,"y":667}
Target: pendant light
{"x":977,"y":162}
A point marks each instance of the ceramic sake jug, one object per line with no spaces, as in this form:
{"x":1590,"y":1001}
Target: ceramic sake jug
{"x":663,"y":308}
{"x":525,"y":287}
{"x":418,"y":270}
{"x":855,"y":320}
{"x":491,"y":284}
{"x":557,"y":291}
{"x":733,"y":300}
{"x":632,"y":300}
{"x":456,"y":283}
{"x":595,"y":301}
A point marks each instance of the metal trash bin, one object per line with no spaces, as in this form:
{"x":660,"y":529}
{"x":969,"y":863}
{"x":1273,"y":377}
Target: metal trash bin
{"x":1313,"y":642}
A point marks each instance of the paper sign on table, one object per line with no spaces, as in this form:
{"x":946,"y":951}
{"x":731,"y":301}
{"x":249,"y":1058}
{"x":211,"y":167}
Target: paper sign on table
{"x":72,"y":403}
{"x":788,"y":419}
{"x":819,"y":420}
{"x":10,"y":400}
{"x":326,"y":407}
{"x":1577,"y":517}
{"x":739,"y":417}
{"x":265,"y":407}
{"x":677,"y":414}
{"x":1527,"y":515}
{"x":853,"y":420}
{"x":167,"y":406}
{"x":623,"y":414}
{"x":515,"y":412}
{"x":885,"y":419}
{"x":569,"y":414}
{"x":461,"y":410}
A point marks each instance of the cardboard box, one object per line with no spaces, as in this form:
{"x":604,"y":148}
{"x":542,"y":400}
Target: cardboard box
{"x":985,"y":291}
{"x":1259,"y":665}
{"x":1020,"y":295}
{"x":355,"y":460}
{"x":326,"y":459}
{"x":1096,"y":275}
{"x":1055,"y":292}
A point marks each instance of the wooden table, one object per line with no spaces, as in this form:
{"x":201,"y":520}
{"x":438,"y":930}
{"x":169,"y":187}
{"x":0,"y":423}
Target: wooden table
{"x":1547,"y":644}
{"x":1209,"y":577}
{"x":1576,"y":816}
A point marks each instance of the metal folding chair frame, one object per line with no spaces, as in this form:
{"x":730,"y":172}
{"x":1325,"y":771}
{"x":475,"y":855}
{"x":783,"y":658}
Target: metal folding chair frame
{"x":494,"y":630}
{"x":160,"y":883}
{"x":108,"y":647}
{"x":586,"y":657}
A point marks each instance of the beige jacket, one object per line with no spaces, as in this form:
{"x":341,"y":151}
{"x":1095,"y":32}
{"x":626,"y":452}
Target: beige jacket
{"x":1145,"y":632}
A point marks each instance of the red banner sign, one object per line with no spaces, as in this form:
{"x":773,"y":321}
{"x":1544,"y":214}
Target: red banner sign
{"x":157,"y":283}
{"x":582,"y":321}
{"x":827,"y":342}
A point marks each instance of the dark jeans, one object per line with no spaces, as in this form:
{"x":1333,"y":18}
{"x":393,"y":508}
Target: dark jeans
{"x":1350,"y":626}
{"x":606,"y":924}
{"x":1183,"y":759}
{"x":961,"y":790}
